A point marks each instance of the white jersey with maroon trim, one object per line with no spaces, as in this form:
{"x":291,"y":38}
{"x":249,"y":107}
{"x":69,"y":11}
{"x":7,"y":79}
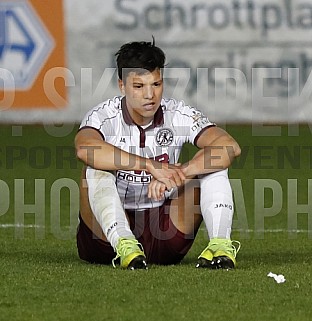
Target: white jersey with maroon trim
{"x":174,"y":124}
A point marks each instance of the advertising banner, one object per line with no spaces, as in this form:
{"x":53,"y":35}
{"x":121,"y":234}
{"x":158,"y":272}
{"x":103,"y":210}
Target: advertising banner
{"x":239,"y":61}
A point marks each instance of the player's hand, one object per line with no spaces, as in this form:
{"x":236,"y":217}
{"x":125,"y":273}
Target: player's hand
{"x":156,"y":190}
{"x":171,"y":175}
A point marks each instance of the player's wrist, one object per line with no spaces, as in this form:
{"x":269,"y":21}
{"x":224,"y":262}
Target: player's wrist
{"x":189,"y":169}
{"x":149,"y":166}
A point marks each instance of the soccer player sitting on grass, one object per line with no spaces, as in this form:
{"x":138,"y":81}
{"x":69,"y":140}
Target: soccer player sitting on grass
{"x":138,"y":205}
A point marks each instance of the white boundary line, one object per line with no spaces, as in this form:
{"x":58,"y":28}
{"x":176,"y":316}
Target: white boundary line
{"x":278,"y":230}
{"x":202,"y":228}
{"x":21,"y":226}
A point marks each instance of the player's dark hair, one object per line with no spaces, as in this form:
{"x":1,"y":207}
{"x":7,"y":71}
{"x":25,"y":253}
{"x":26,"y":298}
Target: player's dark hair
{"x":139,"y":57}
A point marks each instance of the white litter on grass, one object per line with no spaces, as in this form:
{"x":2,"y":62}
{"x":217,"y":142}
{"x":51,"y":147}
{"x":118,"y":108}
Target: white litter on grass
{"x":278,"y":278}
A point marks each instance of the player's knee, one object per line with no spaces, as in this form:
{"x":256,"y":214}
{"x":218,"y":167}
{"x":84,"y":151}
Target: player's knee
{"x":98,"y":174}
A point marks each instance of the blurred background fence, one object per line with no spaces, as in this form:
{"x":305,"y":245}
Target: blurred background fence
{"x":239,"y":61}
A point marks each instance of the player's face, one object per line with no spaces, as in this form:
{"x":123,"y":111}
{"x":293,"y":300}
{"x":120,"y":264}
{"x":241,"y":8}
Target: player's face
{"x":143,"y":94}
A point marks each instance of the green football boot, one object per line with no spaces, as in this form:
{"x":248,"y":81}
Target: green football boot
{"x":131,"y":254}
{"x":219,"y":254}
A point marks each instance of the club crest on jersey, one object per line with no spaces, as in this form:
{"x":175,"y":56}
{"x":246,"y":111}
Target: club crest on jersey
{"x":164,"y":137}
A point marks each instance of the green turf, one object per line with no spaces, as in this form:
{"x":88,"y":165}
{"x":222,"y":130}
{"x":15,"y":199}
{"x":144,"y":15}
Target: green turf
{"x":43,"y":279}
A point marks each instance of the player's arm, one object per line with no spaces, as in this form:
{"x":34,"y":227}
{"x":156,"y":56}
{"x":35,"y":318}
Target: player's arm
{"x":95,"y":152}
{"x":217,"y":151}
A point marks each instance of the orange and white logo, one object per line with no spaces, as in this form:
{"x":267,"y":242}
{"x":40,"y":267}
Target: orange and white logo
{"x":32,"y":55}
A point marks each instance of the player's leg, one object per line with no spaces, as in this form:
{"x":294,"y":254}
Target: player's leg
{"x":180,"y":227}
{"x":166,"y":232}
{"x":217,"y":209}
{"x":185,"y":212}
{"x":163,"y":242}
{"x":105,"y":205}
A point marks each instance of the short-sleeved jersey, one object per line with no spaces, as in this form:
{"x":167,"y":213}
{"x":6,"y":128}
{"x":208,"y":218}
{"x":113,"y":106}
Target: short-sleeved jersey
{"x":174,"y":124}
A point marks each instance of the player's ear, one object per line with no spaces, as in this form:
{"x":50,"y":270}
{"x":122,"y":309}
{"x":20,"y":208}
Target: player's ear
{"x":121,"y":86}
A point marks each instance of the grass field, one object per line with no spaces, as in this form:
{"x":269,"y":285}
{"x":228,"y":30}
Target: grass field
{"x":42,"y":278}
